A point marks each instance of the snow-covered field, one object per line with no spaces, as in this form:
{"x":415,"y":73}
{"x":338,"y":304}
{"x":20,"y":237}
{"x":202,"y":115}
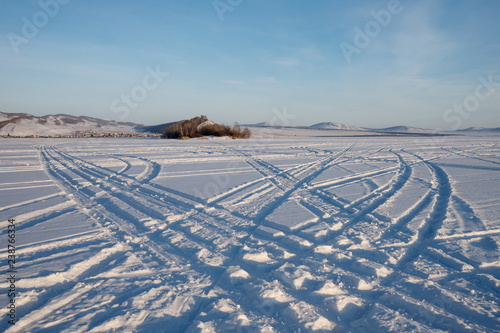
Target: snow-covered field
{"x":379,"y":234}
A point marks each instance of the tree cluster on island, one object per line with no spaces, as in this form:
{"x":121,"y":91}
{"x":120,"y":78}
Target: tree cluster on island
{"x":200,"y":127}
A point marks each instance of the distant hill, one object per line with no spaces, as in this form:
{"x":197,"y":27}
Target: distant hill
{"x":23,"y":124}
{"x":336,"y":126}
{"x":8,"y":116}
{"x":348,"y":130}
{"x":406,"y":130}
{"x":480,"y":129}
{"x":156,"y":128}
{"x":263,"y":124}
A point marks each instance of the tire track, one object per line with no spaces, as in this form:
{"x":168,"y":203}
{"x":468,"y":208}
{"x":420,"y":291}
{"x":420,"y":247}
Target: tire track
{"x":468,"y":155}
{"x":174,"y":256}
{"x":434,"y":221}
{"x":128,"y":201}
{"x":89,"y":204}
{"x":373,"y":200}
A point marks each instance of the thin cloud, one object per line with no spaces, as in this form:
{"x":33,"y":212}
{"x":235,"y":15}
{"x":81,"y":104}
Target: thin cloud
{"x":311,"y":54}
{"x":419,"y":45}
{"x":288,"y":62}
{"x":268,"y":79}
{"x":233,"y":82}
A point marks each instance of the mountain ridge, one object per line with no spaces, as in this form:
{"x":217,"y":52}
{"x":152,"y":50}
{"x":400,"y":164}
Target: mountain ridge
{"x":406,"y":129}
{"x":479,"y":129}
{"x":64,"y":125}
{"x":56,"y":125}
{"x":337,"y":126}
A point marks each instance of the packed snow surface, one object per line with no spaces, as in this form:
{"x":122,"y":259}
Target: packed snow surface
{"x":381,"y":234}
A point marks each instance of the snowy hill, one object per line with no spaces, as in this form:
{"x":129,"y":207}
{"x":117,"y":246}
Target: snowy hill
{"x":336,"y":130}
{"x":407,"y":130}
{"x":262,"y":124}
{"x":156,"y":128}
{"x":336,"y":126}
{"x":63,"y":125}
{"x":480,"y":129}
{"x":22,"y":124}
{"x":8,"y":116}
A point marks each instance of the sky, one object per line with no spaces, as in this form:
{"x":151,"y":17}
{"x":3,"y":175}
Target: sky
{"x":422,"y":63}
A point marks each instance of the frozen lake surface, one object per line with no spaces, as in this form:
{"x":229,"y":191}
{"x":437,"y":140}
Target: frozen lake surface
{"x":264,"y":235}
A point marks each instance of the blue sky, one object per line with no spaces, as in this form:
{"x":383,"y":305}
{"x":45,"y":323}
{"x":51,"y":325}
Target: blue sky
{"x":240,"y":60}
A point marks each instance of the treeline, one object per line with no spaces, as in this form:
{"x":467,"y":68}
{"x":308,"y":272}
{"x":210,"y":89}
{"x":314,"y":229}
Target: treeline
{"x":201,"y":126}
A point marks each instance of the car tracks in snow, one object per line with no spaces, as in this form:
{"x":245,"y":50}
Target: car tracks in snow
{"x":293,"y":249}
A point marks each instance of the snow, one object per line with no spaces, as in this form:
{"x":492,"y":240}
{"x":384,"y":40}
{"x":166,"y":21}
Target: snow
{"x":336,"y":126}
{"x":279,"y":132}
{"x":204,"y":124}
{"x":329,"y":288}
{"x":317,"y":234}
{"x":480,"y":129}
{"x":407,"y":129}
{"x":261,"y":257}
{"x":24,"y":125}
